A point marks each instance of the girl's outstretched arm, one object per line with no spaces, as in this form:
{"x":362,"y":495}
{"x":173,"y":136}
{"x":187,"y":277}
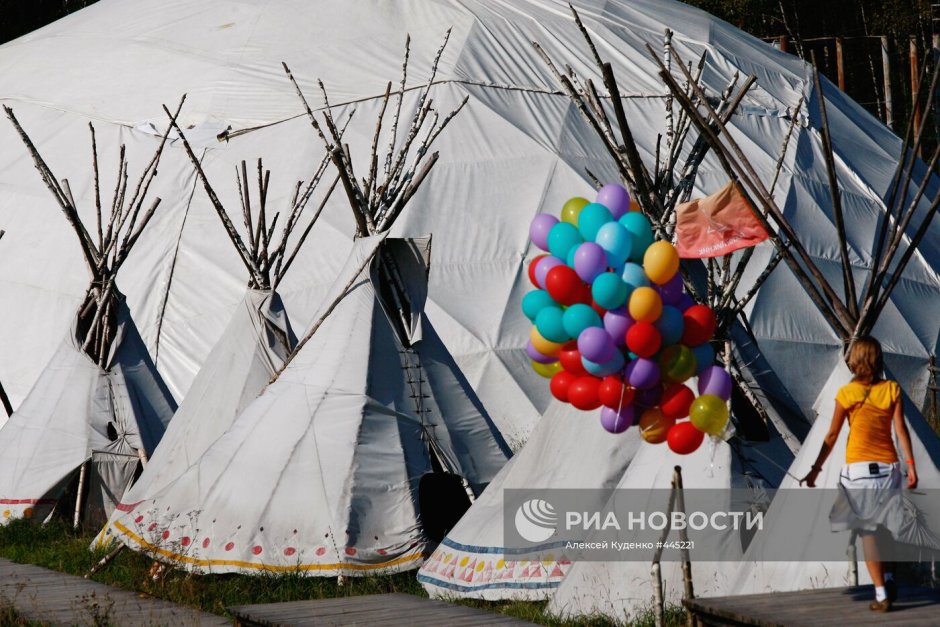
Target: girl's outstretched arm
{"x":904,"y":439}
{"x":838,"y":419}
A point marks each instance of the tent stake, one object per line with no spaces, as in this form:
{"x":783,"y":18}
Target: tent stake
{"x":104,"y":561}
{"x":78,"y":495}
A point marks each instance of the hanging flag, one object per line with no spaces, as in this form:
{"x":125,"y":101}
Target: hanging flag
{"x":717,"y":225}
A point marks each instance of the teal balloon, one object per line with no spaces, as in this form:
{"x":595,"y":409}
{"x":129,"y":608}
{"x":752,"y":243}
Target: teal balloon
{"x":613,"y":365}
{"x":578,"y":317}
{"x":535,"y":301}
{"x":550,"y":325}
{"x":641,"y":231}
{"x":616,"y":241}
{"x":704,"y":356}
{"x":670,"y":325}
{"x":570,"y":259}
{"x":591,"y":219}
{"x":562,"y":238}
{"x":609,"y":290}
{"x":634,"y":276}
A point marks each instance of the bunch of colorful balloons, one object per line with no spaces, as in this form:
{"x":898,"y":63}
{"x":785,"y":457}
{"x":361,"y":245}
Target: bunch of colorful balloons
{"x":614,"y":328}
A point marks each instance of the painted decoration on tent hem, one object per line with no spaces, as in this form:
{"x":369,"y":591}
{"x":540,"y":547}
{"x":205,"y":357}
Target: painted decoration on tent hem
{"x":615,"y":330}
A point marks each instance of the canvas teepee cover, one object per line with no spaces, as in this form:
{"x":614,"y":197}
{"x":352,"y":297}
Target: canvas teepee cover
{"x":322,"y":472}
{"x":99,"y":408}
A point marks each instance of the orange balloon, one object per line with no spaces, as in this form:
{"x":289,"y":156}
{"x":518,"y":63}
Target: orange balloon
{"x":634,"y":205}
{"x":645,"y":305}
{"x":654,"y":426}
{"x":661,"y":262}
{"x":550,"y":349}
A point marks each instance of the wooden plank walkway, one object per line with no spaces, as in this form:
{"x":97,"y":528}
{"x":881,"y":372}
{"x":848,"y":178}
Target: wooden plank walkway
{"x":372,"y":610}
{"x":827,"y":606}
{"x":43,"y":595}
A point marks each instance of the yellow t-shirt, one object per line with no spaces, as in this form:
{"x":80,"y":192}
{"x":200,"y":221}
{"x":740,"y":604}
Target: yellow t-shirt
{"x":870,"y":435}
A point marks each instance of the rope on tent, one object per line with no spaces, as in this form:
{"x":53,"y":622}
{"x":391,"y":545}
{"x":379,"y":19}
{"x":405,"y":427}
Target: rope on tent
{"x":4,"y":399}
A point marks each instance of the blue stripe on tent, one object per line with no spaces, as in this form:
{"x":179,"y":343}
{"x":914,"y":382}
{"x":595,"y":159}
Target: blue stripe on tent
{"x":535,"y":585}
{"x":468,"y":548}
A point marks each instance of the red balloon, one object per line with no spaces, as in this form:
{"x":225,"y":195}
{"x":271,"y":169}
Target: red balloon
{"x":600,"y":310}
{"x":570,"y":358}
{"x":644,"y":339}
{"x":564,"y":285}
{"x":700,"y":323}
{"x":583,"y":393}
{"x":613,"y":393}
{"x":532,"y":265}
{"x":560,"y":384}
{"x":684,"y":438}
{"x":584,"y":296}
{"x":676,"y":401}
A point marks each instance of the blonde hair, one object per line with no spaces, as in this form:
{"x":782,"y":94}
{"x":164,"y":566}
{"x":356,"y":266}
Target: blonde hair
{"x":865,"y":358}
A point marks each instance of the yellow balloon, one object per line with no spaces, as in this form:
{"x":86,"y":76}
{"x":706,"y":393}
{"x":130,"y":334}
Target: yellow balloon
{"x":547,"y":370}
{"x":551,"y":349}
{"x":572,"y":209}
{"x":654,"y":426}
{"x":661,"y":262}
{"x":645,"y":305}
{"x":709,"y":414}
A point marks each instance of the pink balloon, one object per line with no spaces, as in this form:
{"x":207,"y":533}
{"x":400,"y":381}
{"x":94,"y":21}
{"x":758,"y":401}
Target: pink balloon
{"x":590,"y":260}
{"x":538,"y":230}
{"x":616,"y":421}
{"x":543,"y":266}
{"x":715,"y":380}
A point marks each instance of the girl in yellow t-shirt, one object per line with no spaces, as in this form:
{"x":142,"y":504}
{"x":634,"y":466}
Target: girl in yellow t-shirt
{"x":873,"y":406}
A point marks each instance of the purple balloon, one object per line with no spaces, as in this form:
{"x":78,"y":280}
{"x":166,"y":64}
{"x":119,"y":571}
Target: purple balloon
{"x":642,"y":373}
{"x":616,"y":421}
{"x":617,"y":322}
{"x":615,"y":198}
{"x":671,"y":291}
{"x":649,"y":397}
{"x":590,"y":260}
{"x":715,"y":380}
{"x":538,"y":230}
{"x":543,"y":266}
{"x":536,"y":356}
{"x":685,"y":301}
{"x":596,"y":345}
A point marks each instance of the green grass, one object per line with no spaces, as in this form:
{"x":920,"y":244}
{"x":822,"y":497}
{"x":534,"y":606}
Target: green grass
{"x":58,"y":547}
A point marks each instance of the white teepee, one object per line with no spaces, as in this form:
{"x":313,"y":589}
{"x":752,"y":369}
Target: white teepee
{"x":99,"y":407}
{"x":327,"y":471}
{"x":517,"y":148}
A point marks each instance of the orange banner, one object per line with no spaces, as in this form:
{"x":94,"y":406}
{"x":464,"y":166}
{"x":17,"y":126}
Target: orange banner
{"x":717,"y":225}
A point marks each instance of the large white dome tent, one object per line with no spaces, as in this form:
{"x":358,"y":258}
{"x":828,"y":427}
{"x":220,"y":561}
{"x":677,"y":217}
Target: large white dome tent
{"x":519,"y":147}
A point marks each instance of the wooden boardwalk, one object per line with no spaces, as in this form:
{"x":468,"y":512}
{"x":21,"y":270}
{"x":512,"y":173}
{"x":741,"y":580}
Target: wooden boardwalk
{"x":830,"y":606}
{"x":372,"y":610}
{"x":43,"y":595}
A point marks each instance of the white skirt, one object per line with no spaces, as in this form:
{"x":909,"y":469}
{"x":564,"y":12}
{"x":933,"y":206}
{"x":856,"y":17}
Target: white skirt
{"x":869,"y":495}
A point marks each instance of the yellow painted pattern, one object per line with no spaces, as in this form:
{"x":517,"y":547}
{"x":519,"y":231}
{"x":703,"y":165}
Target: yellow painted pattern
{"x":266,"y":567}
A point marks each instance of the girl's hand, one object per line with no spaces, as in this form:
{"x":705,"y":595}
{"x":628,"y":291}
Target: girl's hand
{"x":911,"y":478}
{"x":810,"y":478}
